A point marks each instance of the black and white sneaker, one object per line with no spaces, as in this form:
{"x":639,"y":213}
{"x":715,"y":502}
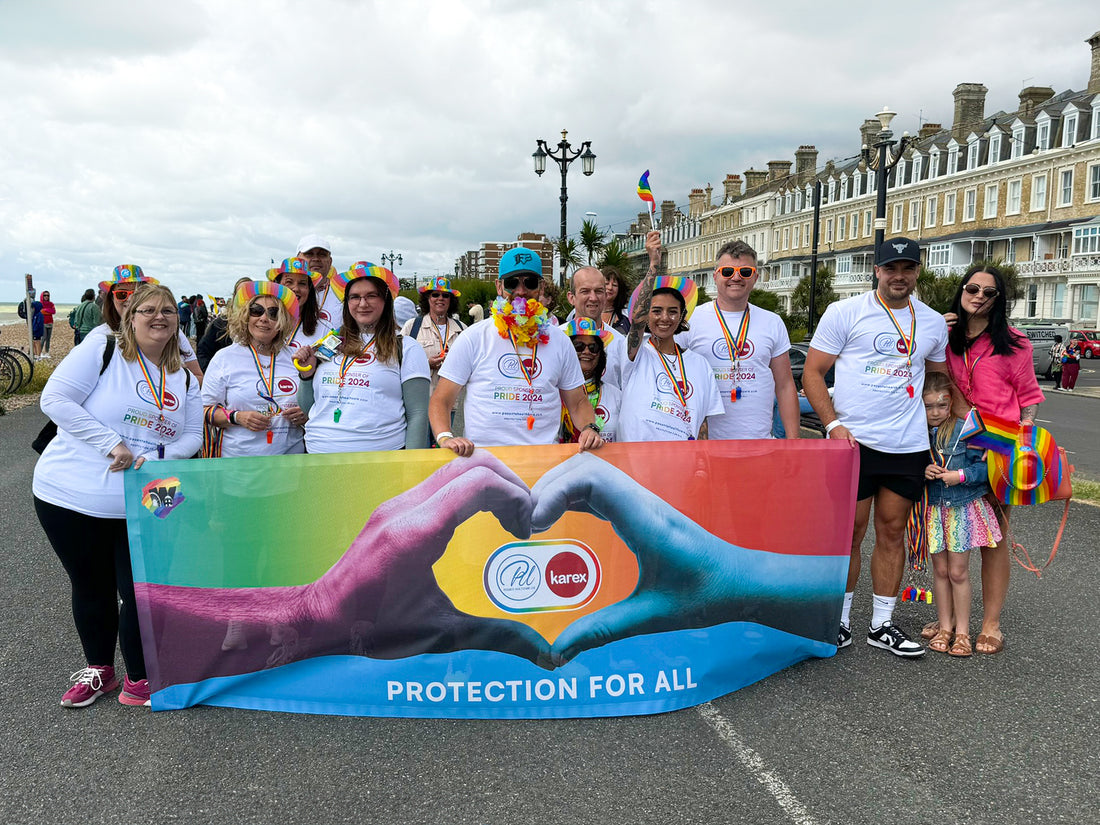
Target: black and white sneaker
{"x":893,"y":638}
{"x":843,"y":637}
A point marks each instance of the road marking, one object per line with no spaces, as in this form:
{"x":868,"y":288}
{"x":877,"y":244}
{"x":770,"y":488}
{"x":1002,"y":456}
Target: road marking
{"x":756,"y":766}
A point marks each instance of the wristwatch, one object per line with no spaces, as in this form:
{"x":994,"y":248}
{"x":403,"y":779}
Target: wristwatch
{"x":593,"y":426}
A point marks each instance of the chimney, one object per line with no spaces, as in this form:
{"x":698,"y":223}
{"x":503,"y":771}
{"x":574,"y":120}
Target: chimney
{"x":868,"y":132}
{"x":1094,"y":76}
{"x":1033,"y":97}
{"x":732,"y":185}
{"x":929,"y":129}
{"x":695,"y":203}
{"x":778,"y":169}
{"x":709,"y":190}
{"x":668,"y":213}
{"x":805,"y":162}
{"x":969,"y":109}
{"x":754,"y":178}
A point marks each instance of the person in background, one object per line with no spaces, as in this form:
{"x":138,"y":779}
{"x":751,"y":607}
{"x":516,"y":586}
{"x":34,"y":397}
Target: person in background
{"x":201,"y":316}
{"x":86,"y":317}
{"x":185,"y":316}
{"x":217,"y":334}
{"x":37,"y":326}
{"x":1071,"y":365}
{"x":587,"y":295}
{"x":548,"y":297}
{"x":437,"y":325}
{"x":617,"y":295}
{"x":48,"y":311}
{"x":317,"y":252}
{"x":78,"y":489}
{"x":404,"y":310}
{"x":477,"y":312}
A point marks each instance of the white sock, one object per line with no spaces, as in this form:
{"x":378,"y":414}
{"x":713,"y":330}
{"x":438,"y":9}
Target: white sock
{"x":882,"y":610}
{"x":846,"y":611}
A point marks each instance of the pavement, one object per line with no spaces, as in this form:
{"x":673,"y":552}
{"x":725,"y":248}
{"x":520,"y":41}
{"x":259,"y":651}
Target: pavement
{"x":863,"y":737}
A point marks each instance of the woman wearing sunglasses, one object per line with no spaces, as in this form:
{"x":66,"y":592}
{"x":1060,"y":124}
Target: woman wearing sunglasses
{"x":991,"y":364}
{"x":125,"y":278}
{"x":373,"y":394}
{"x":113,"y":410}
{"x":668,"y":391}
{"x":251,"y":388}
{"x":591,"y":344}
{"x":437,"y":326}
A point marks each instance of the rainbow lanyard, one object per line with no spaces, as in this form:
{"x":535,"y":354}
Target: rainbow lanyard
{"x":681,"y":391}
{"x":528,"y":375}
{"x":345,"y":367}
{"x":970,"y":365}
{"x":268,"y":381}
{"x":910,"y":342}
{"x":297,"y":327}
{"x":735,"y":347}
{"x":446,"y":335}
{"x":157,"y":391}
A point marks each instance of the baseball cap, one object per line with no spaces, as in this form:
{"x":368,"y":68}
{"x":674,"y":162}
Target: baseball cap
{"x":898,"y":249}
{"x":313,"y":242}
{"x":520,"y":259}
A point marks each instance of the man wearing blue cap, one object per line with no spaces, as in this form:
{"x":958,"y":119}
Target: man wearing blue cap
{"x":518,"y":371}
{"x":881,"y":343}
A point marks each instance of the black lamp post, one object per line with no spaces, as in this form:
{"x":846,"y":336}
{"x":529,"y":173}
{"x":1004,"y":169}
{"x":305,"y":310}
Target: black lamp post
{"x":391,"y":258}
{"x":565,"y":156}
{"x":882,"y":159}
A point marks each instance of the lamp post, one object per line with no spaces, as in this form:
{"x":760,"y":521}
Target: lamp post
{"x":391,"y":258}
{"x":566,"y":155}
{"x":882,"y":159}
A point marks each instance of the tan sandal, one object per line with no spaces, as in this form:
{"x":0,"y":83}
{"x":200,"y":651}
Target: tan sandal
{"x":930,"y":630}
{"x":994,"y":644}
{"x":961,"y":646}
{"x":941,"y":642}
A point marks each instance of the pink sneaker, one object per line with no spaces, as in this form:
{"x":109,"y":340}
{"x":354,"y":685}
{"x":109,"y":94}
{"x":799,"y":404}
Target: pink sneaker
{"x":134,"y":693}
{"x":91,"y":683}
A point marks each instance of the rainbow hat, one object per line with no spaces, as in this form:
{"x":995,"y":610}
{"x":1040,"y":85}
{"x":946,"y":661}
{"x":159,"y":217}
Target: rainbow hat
{"x":586,"y":326}
{"x":363,"y":269}
{"x":681,"y":283}
{"x":440,"y":283}
{"x":249,"y":290}
{"x":126,"y":274}
{"x":1031,"y":474}
{"x":294,"y":265}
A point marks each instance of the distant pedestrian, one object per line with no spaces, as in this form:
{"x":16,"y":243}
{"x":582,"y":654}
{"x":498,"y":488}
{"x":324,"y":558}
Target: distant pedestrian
{"x":1056,"y":353}
{"x":201,"y":316}
{"x":1071,"y":366}
{"x":86,"y":317}
{"x":184,"y":308}
{"x":48,"y":311}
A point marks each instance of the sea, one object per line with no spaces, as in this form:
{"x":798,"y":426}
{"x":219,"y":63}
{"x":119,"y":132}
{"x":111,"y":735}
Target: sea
{"x":9,"y":314}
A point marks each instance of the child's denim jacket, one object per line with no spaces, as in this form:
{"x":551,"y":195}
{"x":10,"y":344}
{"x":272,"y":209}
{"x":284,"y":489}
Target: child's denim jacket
{"x":959,"y":457}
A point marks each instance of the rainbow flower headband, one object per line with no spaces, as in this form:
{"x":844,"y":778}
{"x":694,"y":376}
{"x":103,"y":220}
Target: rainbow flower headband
{"x":524,"y":321}
{"x":681,"y":283}
{"x":126,"y":274}
{"x":363,"y":269}
{"x":250,"y":290}
{"x":586,"y":326}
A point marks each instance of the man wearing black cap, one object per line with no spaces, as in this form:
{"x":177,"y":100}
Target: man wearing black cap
{"x":881,"y":344}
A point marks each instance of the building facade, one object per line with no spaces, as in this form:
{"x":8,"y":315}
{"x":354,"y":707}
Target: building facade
{"x":484,"y":261}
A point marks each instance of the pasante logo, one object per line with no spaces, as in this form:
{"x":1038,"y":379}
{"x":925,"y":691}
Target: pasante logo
{"x":538,"y":576}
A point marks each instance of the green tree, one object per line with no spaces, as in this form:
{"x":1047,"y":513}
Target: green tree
{"x":592,"y":239}
{"x":1013,"y":288}
{"x":824,"y":295}
{"x":569,"y":252}
{"x":936,"y":291}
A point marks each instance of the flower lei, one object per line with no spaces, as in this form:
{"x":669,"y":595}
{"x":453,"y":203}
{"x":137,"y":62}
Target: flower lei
{"x":527,"y":321}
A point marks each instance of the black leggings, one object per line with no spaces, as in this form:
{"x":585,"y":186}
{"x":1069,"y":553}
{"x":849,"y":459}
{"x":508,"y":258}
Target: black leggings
{"x":95,"y":552}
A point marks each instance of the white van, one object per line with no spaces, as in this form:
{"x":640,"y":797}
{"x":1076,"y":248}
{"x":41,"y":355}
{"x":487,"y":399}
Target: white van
{"x":1042,"y":339}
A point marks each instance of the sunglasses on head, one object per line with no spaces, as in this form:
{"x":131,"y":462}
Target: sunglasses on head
{"x":510,"y":282}
{"x":581,"y":346}
{"x":257,"y":311}
{"x":987,"y":291}
{"x":745,"y":272}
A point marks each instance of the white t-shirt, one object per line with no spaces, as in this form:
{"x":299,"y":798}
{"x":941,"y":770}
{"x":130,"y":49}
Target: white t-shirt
{"x":651,"y":409}
{"x":95,"y":412}
{"x":871,"y":391}
{"x":330,"y":311}
{"x":370,"y":404}
{"x":498,"y":398}
{"x":751,"y":415}
{"x":233,"y":381}
{"x":187,"y":354}
{"x":300,"y":338}
{"x":606,"y":409}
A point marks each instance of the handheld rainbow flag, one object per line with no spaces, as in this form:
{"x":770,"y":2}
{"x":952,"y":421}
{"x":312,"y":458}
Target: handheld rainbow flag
{"x":646,"y":194}
{"x":972,"y":424}
{"x":997,"y":434}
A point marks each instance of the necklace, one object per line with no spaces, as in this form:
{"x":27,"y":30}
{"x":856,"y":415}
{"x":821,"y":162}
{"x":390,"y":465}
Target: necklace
{"x":529,"y":376}
{"x":910,"y":342}
{"x":268,"y":383}
{"x":735,"y":346}
{"x":678,"y":388}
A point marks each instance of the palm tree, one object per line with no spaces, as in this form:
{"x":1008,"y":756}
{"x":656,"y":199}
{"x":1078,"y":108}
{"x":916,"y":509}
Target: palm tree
{"x":568,"y":252}
{"x":936,"y":291}
{"x":613,"y":255}
{"x":592,"y":239}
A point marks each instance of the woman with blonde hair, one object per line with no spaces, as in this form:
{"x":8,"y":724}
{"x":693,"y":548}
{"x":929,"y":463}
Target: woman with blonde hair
{"x":114,"y":410}
{"x":251,"y":387}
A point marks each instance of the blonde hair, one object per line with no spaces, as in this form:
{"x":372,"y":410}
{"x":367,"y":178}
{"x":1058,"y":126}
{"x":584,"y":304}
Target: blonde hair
{"x":170,"y":359}
{"x":238,"y":324}
{"x":940,"y":382}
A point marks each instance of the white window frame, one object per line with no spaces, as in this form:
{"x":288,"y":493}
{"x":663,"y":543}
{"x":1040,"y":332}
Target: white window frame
{"x":939,"y":255}
{"x":950,"y":201}
{"x":857,"y":183}
{"x":952,"y":160}
{"x":918,"y":164}
{"x":991,"y":200}
{"x":798,"y":200}
{"x":1092,"y":187}
{"x":843,"y":187}
{"x":1095,"y":119}
{"x":970,"y":205}
{"x":1018,"y":136}
{"x":994,"y":148}
{"x":1039,"y":192}
{"x":898,"y":209}
{"x":933,"y":164}
{"x":1013,"y":196}
{"x":902,"y":171}
{"x":1063,"y":200}
{"x":1069,"y":129}
{"x":972,"y":147}
{"x":828,"y":230}
{"x":1042,"y":133}
{"x":844,"y":265}
{"x":1086,"y":240}
{"x":914,"y":214}
{"x":841,"y":225}
{"x":853,"y":226}
{"x":930,"y":204}
{"x":832,"y":190}
{"x":867,"y":223}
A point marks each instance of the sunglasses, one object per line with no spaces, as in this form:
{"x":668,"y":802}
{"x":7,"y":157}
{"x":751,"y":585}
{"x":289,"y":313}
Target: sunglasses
{"x":439,"y":295}
{"x":987,"y":291}
{"x":149,"y":312}
{"x":581,"y":346}
{"x":122,"y":294}
{"x":510,"y":282}
{"x":257,"y":311}
{"x":745,"y":272}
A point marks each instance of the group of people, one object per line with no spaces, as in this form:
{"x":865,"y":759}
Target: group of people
{"x":1065,"y":364}
{"x":42,"y":311}
{"x":310,"y":359}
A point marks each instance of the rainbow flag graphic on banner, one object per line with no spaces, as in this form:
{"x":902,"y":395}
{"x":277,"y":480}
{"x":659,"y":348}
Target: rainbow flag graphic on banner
{"x":997,"y":434}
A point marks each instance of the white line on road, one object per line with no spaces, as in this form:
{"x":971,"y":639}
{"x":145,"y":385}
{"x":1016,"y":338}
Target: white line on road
{"x":756,"y":766}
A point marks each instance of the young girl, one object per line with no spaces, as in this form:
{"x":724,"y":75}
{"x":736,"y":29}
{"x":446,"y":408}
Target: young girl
{"x":957,"y":517}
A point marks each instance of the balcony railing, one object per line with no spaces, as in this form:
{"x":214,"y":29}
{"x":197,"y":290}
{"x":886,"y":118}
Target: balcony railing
{"x":1059,"y":266}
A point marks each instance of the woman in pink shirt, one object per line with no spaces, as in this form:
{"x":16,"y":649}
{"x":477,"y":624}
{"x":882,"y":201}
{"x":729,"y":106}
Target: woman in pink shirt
{"x":991,"y":364}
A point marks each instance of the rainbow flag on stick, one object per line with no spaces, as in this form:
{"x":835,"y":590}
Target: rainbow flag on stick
{"x":997,"y":434}
{"x":646,"y":194}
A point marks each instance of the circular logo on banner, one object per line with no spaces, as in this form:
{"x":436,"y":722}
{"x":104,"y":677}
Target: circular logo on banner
{"x":509,"y":367}
{"x":540,"y":576}
{"x":665,"y":386}
{"x":566,"y":574}
{"x":888,"y":343}
{"x":286,"y":386}
{"x":171,"y":403}
{"x":721,"y":350}
{"x":517,"y":577}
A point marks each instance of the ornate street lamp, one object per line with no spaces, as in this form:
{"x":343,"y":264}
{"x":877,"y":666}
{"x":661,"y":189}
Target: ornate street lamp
{"x":882,"y":159}
{"x":565,"y":156}
{"x":391,"y":258}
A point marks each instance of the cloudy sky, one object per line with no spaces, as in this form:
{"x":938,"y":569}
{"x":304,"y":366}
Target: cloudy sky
{"x":200,"y":139}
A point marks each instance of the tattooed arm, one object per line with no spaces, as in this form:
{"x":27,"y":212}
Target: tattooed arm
{"x":645,"y":292}
{"x":1027,"y":414}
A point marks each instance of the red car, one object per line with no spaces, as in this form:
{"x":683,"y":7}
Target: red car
{"x":1088,"y":340}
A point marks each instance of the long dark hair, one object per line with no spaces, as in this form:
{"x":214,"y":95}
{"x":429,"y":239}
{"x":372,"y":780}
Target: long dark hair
{"x":387,"y":343}
{"x":601,"y":358}
{"x":308,"y":311}
{"x":623,"y":295}
{"x":1004,"y":340}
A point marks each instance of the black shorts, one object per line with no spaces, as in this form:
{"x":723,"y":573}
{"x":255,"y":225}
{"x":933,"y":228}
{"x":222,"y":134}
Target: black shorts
{"x":901,"y":473}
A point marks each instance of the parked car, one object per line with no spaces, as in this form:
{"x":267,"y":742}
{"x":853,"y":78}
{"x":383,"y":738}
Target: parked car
{"x":1088,"y":340}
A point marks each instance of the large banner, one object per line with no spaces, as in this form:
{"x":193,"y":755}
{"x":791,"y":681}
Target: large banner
{"x":524,"y":582}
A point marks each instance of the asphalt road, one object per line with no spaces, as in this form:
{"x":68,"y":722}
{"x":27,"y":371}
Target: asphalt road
{"x":1074,"y":418}
{"x":860,"y":738}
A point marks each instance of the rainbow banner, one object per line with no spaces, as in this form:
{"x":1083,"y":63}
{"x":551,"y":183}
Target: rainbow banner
{"x":524,"y":582}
